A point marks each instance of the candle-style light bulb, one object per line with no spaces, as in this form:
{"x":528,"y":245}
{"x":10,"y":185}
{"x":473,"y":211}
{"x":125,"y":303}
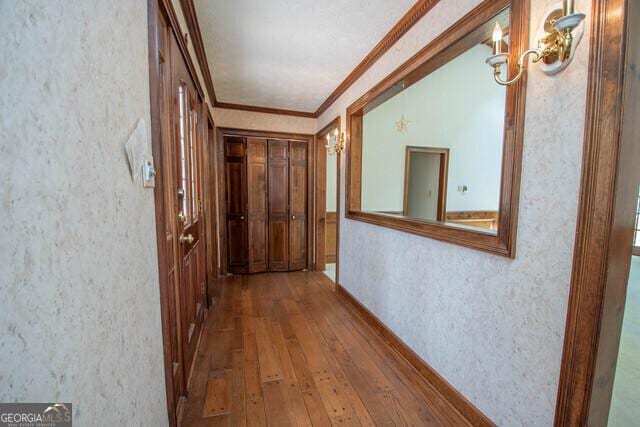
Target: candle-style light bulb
{"x":568,"y":7}
{"x":497,"y":39}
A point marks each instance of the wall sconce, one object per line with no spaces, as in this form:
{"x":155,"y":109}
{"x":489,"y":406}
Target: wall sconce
{"x":554,"y":47}
{"x":335,"y":142}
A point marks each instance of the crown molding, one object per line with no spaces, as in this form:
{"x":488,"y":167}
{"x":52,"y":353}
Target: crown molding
{"x":167,"y":7}
{"x":417,"y":11}
{"x":267,"y":110}
{"x":414,"y":15}
{"x":189,"y":11}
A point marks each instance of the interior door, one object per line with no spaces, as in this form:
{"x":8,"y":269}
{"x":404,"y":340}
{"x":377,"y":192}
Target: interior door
{"x":236,"y":193}
{"x":278,"y":184}
{"x":257,"y":204}
{"x":188,"y":206}
{"x":297,"y":205}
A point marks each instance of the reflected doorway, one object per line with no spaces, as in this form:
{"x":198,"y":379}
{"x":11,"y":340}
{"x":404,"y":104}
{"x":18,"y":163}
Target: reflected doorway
{"x":328,"y":200}
{"x":425,"y":183}
{"x":625,"y":410}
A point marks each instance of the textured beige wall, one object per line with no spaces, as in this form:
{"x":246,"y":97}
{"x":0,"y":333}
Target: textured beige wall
{"x":261,"y":121}
{"x":493,"y":327}
{"x":80,"y":312}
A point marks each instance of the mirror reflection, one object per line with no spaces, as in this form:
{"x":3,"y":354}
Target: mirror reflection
{"x":432,"y":148}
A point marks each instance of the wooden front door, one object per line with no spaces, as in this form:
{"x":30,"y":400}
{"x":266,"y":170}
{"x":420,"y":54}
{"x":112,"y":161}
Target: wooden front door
{"x":188,"y":206}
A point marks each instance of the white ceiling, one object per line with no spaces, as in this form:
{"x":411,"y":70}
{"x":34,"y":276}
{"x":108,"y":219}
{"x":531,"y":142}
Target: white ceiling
{"x":289,"y":54}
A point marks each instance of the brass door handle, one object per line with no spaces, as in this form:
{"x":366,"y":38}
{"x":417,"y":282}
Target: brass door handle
{"x":293,"y":217}
{"x":186,"y":239}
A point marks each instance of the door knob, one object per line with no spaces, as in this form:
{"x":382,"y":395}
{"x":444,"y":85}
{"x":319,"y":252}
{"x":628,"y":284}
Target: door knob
{"x":181,"y":217}
{"x":186,"y":239}
{"x":242,"y":218}
{"x":293,"y":217}
{"x":180,"y":193}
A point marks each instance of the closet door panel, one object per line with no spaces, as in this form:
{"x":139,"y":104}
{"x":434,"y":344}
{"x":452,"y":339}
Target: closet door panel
{"x":257,"y":203}
{"x":236,"y":189}
{"x":235,"y":176}
{"x":278,"y":180}
{"x":297,"y":205}
{"x":237,"y":236}
{"x":278,"y":246}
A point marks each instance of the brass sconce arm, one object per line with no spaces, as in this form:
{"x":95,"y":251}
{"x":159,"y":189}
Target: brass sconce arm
{"x":554,"y":47}
{"x":522,"y":66}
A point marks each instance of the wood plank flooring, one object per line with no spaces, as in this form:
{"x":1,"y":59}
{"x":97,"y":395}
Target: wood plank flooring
{"x":283,"y":349}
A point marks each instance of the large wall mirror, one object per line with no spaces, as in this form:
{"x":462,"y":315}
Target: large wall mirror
{"x":435,"y":148}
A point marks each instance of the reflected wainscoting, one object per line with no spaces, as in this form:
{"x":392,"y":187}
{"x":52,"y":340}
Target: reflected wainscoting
{"x":480,"y":219}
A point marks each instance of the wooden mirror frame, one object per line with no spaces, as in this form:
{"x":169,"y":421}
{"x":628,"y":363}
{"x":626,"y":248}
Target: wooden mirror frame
{"x":441,"y":50}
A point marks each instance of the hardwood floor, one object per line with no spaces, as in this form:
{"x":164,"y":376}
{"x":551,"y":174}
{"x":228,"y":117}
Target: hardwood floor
{"x":283,"y":349}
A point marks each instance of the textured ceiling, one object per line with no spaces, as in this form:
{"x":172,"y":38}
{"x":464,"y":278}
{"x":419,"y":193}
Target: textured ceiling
{"x":289,"y":54}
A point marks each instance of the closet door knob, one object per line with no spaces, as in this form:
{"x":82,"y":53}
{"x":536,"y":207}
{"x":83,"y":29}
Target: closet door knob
{"x":242,"y":218}
{"x":293,"y":217}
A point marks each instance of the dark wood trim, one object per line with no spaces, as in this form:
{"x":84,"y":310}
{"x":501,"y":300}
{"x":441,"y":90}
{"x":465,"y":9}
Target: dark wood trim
{"x":222,"y":202}
{"x":158,"y":192}
{"x":212,"y":199}
{"x":608,"y":200}
{"x":338,"y":215}
{"x":191,"y":18}
{"x":266,"y":110}
{"x":320,"y":195}
{"x":221,"y":132}
{"x":442,"y":179}
{"x":167,"y":7}
{"x":449,"y":394}
{"x":414,"y":15}
{"x":444,"y":46}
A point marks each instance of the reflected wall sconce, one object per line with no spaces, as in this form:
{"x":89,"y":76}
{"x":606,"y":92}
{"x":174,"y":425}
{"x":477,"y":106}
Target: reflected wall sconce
{"x":555,"y":46}
{"x":335,"y":142}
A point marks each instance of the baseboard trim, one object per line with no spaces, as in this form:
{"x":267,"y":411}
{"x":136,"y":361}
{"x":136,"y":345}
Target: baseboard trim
{"x":448,"y":393}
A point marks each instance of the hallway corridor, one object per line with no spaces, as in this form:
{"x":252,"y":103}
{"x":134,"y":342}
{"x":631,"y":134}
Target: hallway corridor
{"x":281,"y":349}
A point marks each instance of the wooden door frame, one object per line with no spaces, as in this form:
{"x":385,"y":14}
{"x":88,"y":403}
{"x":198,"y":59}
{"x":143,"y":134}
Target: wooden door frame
{"x":442,"y":183}
{"x":221,"y":132}
{"x":320,"y":197}
{"x":636,"y":249}
{"x":608,"y":196}
{"x":211,"y":202}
